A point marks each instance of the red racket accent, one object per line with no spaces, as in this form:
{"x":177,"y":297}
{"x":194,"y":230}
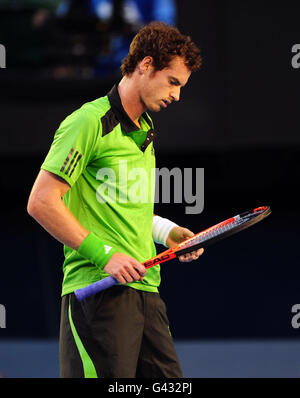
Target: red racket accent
{"x":160,"y":258}
{"x":262,"y":208}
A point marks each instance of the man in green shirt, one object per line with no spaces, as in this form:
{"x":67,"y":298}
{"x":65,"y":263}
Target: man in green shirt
{"x":95,"y":194}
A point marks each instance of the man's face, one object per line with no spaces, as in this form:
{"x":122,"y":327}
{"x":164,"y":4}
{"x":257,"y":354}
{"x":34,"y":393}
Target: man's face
{"x":159,"y":88}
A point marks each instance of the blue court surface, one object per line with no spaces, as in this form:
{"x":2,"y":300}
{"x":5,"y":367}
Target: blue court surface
{"x":199,"y":359}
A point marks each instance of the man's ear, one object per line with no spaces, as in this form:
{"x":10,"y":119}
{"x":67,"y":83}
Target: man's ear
{"x":145,"y":64}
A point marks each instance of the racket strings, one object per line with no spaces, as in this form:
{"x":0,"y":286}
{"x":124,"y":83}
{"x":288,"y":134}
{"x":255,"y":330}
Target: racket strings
{"x":221,"y":228}
{"x":213,"y":232}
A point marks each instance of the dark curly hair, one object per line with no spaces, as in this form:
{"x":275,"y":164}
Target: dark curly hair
{"x":162,"y":42}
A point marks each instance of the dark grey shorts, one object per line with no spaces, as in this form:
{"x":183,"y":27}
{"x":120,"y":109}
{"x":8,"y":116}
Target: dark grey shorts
{"x":120,"y":332}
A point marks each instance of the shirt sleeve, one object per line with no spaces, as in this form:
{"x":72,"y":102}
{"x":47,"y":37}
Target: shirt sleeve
{"x":73,"y":146}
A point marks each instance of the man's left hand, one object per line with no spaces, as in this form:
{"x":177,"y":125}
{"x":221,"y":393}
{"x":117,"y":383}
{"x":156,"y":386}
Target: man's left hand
{"x":178,"y":235}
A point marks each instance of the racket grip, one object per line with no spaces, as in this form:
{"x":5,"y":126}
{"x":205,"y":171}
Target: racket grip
{"x":95,"y":287}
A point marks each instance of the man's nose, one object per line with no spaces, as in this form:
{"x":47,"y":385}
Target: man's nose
{"x":175,"y":95}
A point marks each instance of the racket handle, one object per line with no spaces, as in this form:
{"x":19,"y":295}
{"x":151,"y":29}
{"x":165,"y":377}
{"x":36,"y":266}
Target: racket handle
{"x":95,"y":287}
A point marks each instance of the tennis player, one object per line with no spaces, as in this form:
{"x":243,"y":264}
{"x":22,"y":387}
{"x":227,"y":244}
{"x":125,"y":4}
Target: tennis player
{"x":89,"y":196}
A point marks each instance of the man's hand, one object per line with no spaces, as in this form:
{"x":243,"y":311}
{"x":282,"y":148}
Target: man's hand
{"x":125,"y":268}
{"x":178,"y":235}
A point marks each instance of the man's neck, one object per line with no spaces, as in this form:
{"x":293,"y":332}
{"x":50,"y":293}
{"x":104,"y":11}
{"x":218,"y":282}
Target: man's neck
{"x":130,"y":99}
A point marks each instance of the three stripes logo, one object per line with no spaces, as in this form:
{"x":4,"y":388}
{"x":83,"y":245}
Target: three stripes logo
{"x":71,"y":162}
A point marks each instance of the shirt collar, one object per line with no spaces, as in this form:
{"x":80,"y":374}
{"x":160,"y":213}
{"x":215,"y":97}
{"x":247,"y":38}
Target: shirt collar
{"x":127,"y":124}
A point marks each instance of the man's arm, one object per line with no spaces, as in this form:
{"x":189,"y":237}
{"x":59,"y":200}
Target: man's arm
{"x":45,"y":205}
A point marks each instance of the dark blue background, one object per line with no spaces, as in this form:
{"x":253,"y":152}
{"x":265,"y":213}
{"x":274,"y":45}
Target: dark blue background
{"x":238,"y":119}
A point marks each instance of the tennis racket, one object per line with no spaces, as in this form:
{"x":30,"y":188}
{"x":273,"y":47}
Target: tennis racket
{"x":202,"y":239}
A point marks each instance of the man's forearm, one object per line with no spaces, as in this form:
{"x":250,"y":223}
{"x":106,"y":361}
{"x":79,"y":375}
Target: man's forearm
{"x":57,"y":219}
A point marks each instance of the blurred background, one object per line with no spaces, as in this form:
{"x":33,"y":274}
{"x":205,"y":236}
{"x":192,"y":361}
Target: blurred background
{"x":230,"y":311}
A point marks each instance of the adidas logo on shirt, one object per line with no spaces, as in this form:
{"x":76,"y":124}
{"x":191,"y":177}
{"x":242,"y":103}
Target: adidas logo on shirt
{"x":107,"y":249}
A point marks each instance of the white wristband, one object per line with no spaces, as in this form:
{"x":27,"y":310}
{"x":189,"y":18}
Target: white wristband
{"x":161,"y":229}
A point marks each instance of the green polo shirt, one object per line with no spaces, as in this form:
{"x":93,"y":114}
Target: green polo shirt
{"x":109,"y":164}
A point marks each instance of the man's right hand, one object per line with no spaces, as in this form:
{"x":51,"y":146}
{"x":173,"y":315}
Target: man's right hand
{"x":125,"y":268}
